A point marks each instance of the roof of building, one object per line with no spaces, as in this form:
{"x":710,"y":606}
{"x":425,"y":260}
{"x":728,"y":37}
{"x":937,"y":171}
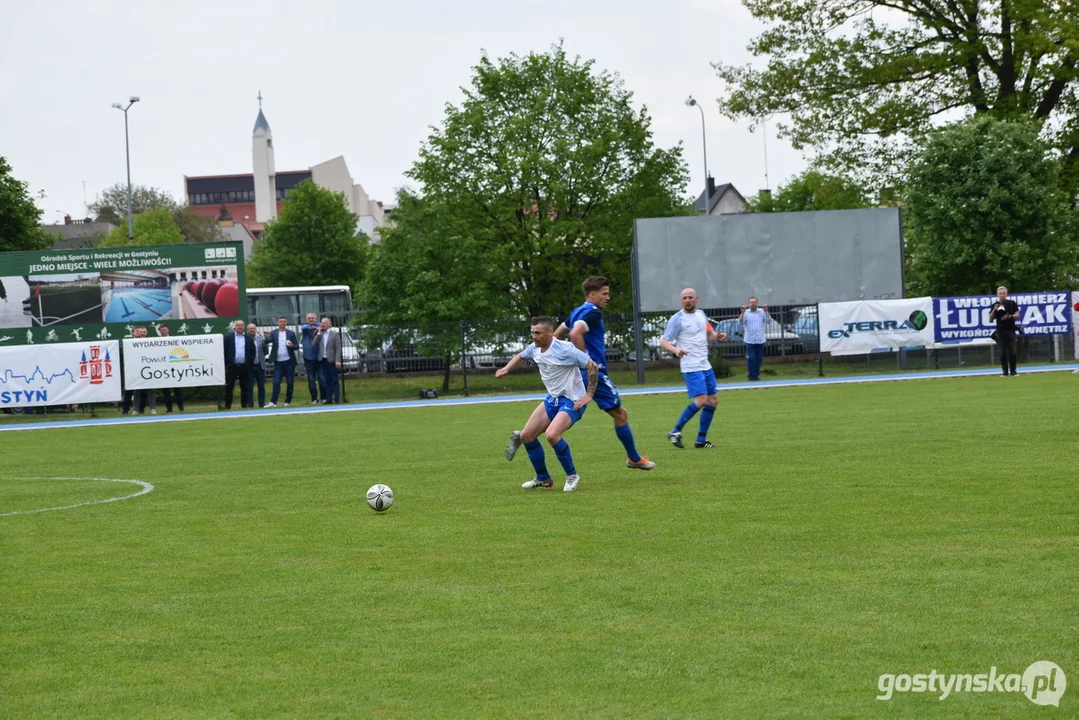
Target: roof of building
{"x":719,"y":191}
{"x":260,"y":123}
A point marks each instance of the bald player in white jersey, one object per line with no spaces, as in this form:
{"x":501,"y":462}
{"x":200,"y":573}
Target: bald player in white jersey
{"x":686,"y":338}
{"x":560,"y":364}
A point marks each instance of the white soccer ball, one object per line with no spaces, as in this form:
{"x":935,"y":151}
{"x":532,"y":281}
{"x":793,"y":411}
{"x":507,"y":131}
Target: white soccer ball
{"x":380,"y":497}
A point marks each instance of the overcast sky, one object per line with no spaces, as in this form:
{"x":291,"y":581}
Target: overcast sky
{"x":360,"y":79}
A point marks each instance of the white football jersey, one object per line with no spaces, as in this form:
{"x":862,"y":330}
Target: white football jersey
{"x":689,"y":331}
{"x":560,"y":368}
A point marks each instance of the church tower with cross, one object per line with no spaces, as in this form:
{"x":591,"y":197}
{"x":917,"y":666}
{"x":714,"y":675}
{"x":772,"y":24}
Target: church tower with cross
{"x":263,"y":166}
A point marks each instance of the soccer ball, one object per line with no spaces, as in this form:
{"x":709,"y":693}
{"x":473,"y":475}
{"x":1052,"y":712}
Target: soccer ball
{"x":380,"y":497}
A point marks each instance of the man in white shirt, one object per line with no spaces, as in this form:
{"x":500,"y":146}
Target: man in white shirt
{"x":753,"y":320}
{"x":686,"y":338}
{"x":560,"y":365}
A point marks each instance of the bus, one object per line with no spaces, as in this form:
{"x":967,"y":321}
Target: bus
{"x":265,"y":305}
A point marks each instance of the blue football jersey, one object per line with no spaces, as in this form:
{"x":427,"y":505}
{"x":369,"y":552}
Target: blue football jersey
{"x":595,"y":338}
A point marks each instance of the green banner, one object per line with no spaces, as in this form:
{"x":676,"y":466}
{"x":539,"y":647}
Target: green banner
{"x":105,"y":293}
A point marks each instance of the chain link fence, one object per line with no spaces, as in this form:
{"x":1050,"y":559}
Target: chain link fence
{"x":394,"y":363}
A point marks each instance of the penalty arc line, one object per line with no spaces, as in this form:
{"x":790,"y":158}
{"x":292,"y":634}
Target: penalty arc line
{"x":146,"y":488}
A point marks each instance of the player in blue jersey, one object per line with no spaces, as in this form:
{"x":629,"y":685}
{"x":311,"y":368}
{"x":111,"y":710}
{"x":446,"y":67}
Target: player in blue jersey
{"x":586,"y":330}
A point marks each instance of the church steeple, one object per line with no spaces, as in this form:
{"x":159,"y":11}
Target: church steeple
{"x":263,"y":167}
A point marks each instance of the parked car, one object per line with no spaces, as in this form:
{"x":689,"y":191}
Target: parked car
{"x":778,"y":340}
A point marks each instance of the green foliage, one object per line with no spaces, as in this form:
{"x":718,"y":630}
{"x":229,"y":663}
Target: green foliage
{"x":152,"y":227}
{"x":428,"y":270}
{"x":857,"y":80}
{"x":111,"y":206}
{"x":812,"y":190}
{"x":20,"y":218}
{"x":546,"y":164}
{"x":984,"y":208}
{"x":314,"y":242}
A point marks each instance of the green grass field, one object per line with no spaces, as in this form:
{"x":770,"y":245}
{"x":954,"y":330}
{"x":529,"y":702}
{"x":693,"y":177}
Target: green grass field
{"x":840,"y":532}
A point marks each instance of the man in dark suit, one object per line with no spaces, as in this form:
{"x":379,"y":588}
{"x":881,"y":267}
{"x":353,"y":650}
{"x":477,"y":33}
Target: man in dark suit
{"x":239,"y":358}
{"x":283,"y":344}
{"x":327,"y":343}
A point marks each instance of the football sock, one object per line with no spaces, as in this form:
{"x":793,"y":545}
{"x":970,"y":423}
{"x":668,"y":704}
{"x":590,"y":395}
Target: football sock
{"x":539,"y":462}
{"x":626,"y":436}
{"x":706,"y":420}
{"x":687,"y":415}
{"x":561,"y":449}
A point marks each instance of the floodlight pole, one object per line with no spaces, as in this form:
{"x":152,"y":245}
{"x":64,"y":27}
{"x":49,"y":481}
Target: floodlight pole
{"x":127,"y":148}
{"x":704,"y":147}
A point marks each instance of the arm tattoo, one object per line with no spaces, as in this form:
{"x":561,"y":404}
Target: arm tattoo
{"x":593,"y":379}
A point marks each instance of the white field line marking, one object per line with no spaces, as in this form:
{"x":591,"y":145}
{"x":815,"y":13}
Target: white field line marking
{"x":146,"y":488}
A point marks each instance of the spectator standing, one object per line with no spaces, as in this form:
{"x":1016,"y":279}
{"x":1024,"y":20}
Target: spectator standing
{"x":753,"y":320}
{"x":239,"y":357}
{"x":310,"y":355}
{"x":258,"y":368}
{"x":1006,"y":312}
{"x":283,"y":344}
{"x":328,"y":343}
{"x":163,"y":331}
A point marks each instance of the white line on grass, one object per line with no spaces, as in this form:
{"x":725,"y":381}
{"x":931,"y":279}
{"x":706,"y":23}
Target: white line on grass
{"x":487,"y":399}
{"x":146,"y":488}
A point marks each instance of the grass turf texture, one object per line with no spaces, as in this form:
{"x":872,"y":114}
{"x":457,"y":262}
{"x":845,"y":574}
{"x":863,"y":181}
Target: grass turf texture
{"x":838,"y":533}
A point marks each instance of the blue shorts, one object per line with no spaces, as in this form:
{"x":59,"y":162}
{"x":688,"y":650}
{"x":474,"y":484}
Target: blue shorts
{"x":555,"y":405}
{"x":702,"y":382}
{"x":606,"y":396}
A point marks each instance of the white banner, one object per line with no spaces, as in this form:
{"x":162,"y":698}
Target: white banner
{"x":1075,"y":321}
{"x":60,"y":374}
{"x":866,"y":326}
{"x":174,"y":362}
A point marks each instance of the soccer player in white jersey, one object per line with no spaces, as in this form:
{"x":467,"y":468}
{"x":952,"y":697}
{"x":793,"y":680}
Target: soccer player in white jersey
{"x":686,"y":338}
{"x":560,"y":364}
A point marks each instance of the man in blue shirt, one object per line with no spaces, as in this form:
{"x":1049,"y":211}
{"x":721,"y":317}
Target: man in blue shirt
{"x":753,"y":320}
{"x":310,"y":354}
{"x":587,"y":332}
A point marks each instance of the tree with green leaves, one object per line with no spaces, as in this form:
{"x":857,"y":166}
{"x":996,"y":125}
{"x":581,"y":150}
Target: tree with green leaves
{"x":20,"y":218}
{"x":314,"y":242}
{"x":428,"y":275}
{"x":859,"y":80}
{"x":984,"y":208}
{"x":111,"y":206}
{"x":545,"y":164}
{"x":812,"y":190}
{"x":152,"y":227}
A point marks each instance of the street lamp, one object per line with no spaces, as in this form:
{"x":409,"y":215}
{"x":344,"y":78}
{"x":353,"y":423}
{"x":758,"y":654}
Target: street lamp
{"x":127,"y":145}
{"x":690,"y":102}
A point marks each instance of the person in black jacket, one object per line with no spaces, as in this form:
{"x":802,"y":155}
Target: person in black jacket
{"x":1006,"y":312}
{"x":239,"y":359}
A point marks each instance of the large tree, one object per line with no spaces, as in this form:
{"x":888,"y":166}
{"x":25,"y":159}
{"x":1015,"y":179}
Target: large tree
{"x":546,"y":163}
{"x":111,"y":206}
{"x":984,"y":208}
{"x":858,"y":79}
{"x":314,"y":242}
{"x":20,"y":218}
{"x":428,"y":275}
{"x":812,"y":190}
{"x":152,"y":227}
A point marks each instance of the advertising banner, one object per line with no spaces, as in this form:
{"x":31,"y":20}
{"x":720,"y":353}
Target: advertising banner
{"x":866,"y":326}
{"x":174,"y":362}
{"x":963,"y":319}
{"x":61,"y":296}
{"x":60,"y":374}
{"x":1075,"y":321}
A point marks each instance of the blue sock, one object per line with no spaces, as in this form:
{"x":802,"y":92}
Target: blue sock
{"x":626,"y":436}
{"x":706,"y":419}
{"x":687,"y":415}
{"x":561,"y":449}
{"x":539,"y":462}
